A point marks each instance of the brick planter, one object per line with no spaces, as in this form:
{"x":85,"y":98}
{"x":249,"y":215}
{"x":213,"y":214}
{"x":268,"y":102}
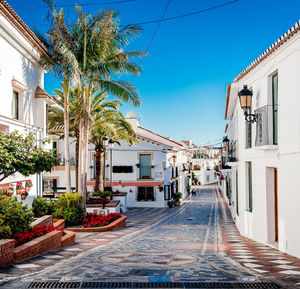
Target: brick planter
{"x":115,"y":225}
{"x":38,"y":246}
{"x":6,"y":251}
{"x":50,"y":241}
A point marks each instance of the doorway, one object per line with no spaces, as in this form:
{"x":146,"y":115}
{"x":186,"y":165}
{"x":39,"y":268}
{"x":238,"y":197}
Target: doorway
{"x":276,"y":204}
{"x":272,"y":205}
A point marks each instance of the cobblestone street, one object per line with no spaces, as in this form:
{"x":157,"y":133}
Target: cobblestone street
{"x":194,"y":242}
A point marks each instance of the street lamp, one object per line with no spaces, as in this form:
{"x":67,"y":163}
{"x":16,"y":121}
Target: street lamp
{"x":245,"y":96}
{"x":111,"y":146}
{"x":105,"y":143}
{"x":225,"y":142}
{"x":174,"y":159}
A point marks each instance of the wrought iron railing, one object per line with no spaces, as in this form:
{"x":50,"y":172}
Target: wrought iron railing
{"x":266,"y":125}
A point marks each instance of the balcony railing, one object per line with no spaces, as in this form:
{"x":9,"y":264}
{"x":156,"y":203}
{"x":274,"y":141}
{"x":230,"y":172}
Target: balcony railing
{"x":265,"y":126}
{"x":232,"y":152}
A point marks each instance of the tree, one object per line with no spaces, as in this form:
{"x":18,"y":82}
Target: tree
{"x":99,"y":103}
{"x":112,"y":124}
{"x":22,"y":154}
{"x":91,"y":52}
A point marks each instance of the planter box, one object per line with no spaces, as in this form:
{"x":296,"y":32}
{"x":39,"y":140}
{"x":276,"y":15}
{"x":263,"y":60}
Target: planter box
{"x":68,"y":238}
{"x":111,"y":207}
{"x":43,"y":221}
{"x":115,"y":225}
{"x":38,"y":246}
{"x":6,"y":251}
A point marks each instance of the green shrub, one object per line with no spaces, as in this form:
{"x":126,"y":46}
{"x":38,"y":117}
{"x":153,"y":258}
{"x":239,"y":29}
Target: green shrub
{"x":14,"y":217}
{"x":68,"y":207}
{"x":42,"y":207}
{"x":177,"y":196}
{"x":102,"y":195}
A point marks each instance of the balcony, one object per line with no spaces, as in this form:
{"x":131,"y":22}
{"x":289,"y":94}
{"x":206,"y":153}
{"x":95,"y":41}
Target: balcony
{"x":266,"y":126}
{"x":232,"y":152}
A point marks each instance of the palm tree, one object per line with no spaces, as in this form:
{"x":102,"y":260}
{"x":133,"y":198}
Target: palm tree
{"x":99,"y":103}
{"x":92,"y":54}
{"x":112,"y":124}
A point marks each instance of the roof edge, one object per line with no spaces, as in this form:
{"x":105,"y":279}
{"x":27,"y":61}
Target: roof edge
{"x":271,"y":49}
{"x":14,"y":19}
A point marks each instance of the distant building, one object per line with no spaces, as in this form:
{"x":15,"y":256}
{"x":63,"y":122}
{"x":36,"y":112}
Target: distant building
{"x":149,"y":172}
{"x":264,"y":156}
{"x":23,"y":100}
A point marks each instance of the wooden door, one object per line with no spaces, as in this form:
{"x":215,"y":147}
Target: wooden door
{"x":276,"y":204}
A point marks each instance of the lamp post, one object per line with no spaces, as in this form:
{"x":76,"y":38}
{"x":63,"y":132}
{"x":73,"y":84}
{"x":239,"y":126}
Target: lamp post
{"x":105,"y":143}
{"x":111,"y":146}
{"x":245,"y":96}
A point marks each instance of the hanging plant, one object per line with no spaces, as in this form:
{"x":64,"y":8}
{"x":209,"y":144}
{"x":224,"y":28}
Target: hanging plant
{"x":28,"y":185}
{"x":24,"y":195}
{"x":10,"y":190}
{"x":19,"y":188}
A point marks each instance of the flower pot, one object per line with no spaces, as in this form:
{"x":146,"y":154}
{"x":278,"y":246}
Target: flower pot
{"x":177,"y":203}
{"x":23,"y":197}
{"x":19,"y":192}
{"x":28,"y":189}
{"x":10,"y":193}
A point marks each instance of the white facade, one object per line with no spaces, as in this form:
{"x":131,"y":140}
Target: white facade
{"x":162,"y":178}
{"x":265,"y":160}
{"x":204,"y":162}
{"x":23,"y":101}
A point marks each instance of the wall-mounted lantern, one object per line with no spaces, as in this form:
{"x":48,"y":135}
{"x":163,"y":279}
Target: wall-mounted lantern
{"x":174,"y":159}
{"x":225,"y":142}
{"x":245,"y":96}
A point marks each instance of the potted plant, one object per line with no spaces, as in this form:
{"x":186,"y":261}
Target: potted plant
{"x":28,"y":185}
{"x":137,"y":165}
{"x":19,"y":188}
{"x":10,"y":190}
{"x":103,"y":197}
{"x":24,"y":195}
{"x":177,"y":196}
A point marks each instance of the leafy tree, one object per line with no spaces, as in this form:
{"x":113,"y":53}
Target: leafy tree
{"x":22,"y":154}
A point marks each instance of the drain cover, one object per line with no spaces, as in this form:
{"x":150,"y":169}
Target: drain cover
{"x":147,"y":272}
{"x":87,"y":285}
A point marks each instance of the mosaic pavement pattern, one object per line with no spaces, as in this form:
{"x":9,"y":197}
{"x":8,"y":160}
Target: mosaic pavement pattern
{"x":195,"y":242}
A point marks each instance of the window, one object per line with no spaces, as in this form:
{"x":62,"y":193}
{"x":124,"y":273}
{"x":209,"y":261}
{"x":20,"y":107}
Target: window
{"x":145,"y":166}
{"x":49,"y":185}
{"x":145,"y":194}
{"x":167,"y":192}
{"x":275,"y":107}
{"x":15,"y":105}
{"x":55,"y":147}
{"x":249,"y":186}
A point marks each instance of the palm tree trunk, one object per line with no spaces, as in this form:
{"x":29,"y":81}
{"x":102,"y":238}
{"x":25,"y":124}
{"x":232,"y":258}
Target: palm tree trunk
{"x":99,"y":168}
{"x":66,"y":132}
{"x":77,"y":159}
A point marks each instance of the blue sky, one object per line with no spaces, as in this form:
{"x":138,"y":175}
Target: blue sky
{"x":191,"y":59}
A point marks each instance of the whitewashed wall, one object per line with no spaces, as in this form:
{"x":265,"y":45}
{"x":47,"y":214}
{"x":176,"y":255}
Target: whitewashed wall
{"x":285,"y":157}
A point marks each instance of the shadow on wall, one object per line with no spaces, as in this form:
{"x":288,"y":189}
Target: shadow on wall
{"x":33,"y":78}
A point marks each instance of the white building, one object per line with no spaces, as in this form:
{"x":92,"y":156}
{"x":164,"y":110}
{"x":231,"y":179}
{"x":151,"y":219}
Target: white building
{"x":264,"y":156}
{"x":204,"y":162}
{"x":23,"y":100}
{"x":147,"y":172}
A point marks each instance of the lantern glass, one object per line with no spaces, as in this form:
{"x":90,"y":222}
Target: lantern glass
{"x":105,"y":141}
{"x":174,"y":159}
{"x":245,"y":96}
{"x":245,"y":101}
{"x":111,"y":144}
